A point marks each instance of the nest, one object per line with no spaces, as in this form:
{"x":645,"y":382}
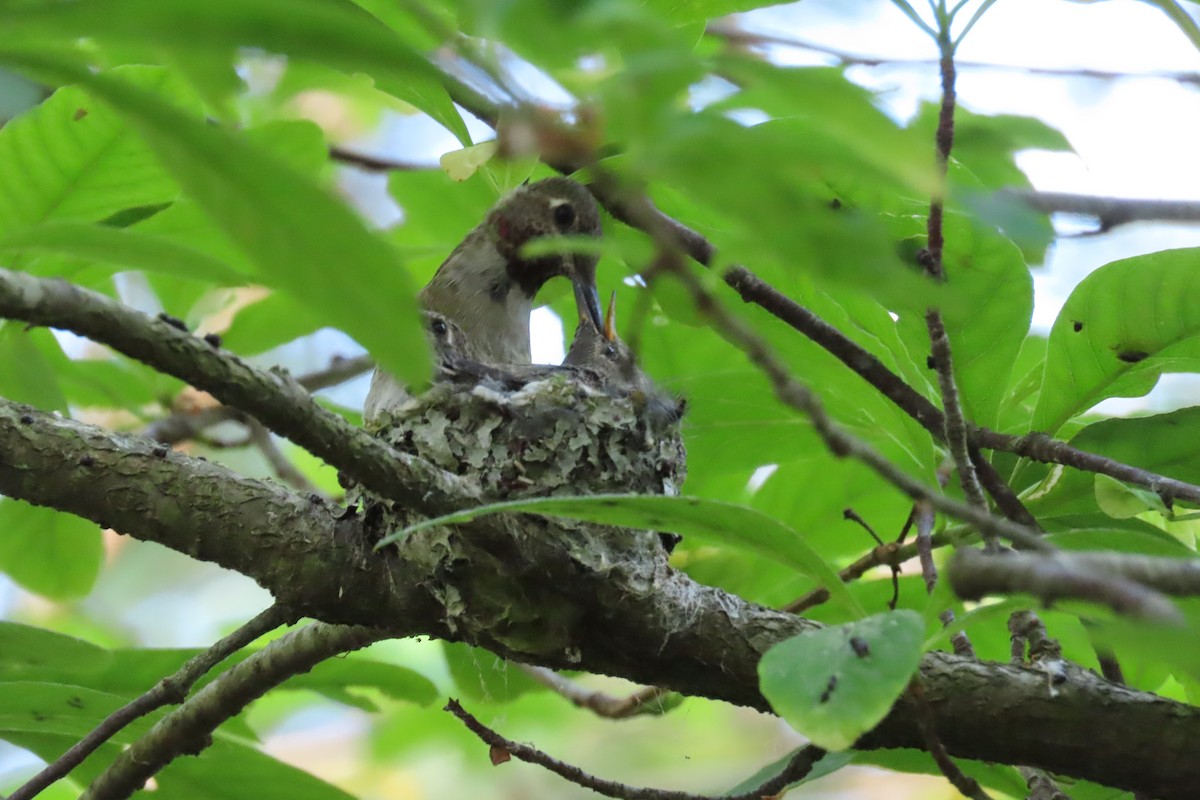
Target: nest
{"x":539,"y":431}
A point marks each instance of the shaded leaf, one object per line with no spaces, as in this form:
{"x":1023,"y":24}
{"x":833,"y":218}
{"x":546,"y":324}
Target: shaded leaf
{"x":1122,"y":326}
{"x":49,"y":552}
{"x":835,"y":684}
{"x":708,"y":521}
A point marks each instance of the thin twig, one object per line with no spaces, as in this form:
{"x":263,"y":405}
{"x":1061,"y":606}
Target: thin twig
{"x":372,"y":163}
{"x":799,"y":766}
{"x":965,"y":784}
{"x":602,"y":704}
{"x":954,"y":421}
{"x":924,"y":519}
{"x":729,"y":31}
{"x":170,"y":690}
{"x":1120,"y":582}
{"x":188,"y":729}
{"x":284,"y":469}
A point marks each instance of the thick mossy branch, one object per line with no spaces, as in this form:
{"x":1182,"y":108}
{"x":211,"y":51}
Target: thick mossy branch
{"x":641,"y":620}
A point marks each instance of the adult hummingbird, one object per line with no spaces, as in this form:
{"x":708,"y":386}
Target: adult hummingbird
{"x":485,"y":288}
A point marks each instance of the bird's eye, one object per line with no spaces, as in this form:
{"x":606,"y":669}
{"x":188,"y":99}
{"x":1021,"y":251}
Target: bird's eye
{"x":610,"y":351}
{"x":438,"y":327}
{"x":564,"y":215}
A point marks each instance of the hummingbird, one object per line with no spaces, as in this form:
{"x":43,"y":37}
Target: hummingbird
{"x":600,"y":351}
{"x":485,"y":287}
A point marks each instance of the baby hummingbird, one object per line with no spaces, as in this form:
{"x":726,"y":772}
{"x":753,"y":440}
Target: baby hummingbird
{"x":599,"y":350}
{"x":485,"y":287}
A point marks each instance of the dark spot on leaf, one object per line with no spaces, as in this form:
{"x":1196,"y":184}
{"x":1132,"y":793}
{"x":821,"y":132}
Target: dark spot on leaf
{"x":212,"y":339}
{"x":860,"y":647}
{"x":929,"y":363}
{"x":829,"y":687}
{"x":1077,"y":325}
{"x":174,"y":322}
{"x":26,"y":419}
{"x":87,"y":461}
{"x":835,"y":204}
{"x":38,"y":716}
{"x":75,"y":702}
{"x":1132,"y":356}
{"x":79,"y":114}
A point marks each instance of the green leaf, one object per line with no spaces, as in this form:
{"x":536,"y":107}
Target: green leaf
{"x":1123,"y":326}
{"x":231,"y":770}
{"x":299,"y":236}
{"x":49,"y":552}
{"x":708,"y":521}
{"x":121,"y":249}
{"x":25,"y":651}
{"x":834,"y":684}
{"x":486,"y":677}
{"x":27,"y":367}
{"x":270,"y":322}
{"x":41,"y":707}
{"x":1121,"y":501}
{"x":336,"y":33}
{"x":392,"y":680}
{"x":73,"y":159}
{"x":1168,"y":444}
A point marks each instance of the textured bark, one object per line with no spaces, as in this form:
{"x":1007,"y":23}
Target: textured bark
{"x":615,"y":606}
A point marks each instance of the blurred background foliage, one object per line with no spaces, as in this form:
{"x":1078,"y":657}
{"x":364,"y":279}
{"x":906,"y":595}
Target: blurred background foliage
{"x":207,"y":161}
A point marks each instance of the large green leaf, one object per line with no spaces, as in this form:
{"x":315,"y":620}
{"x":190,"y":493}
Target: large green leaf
{"x":708,"y":521}
{"x":27,"y":367}
{"x":300,"y":237}
{"x":26,"y":651}
{"x":120,"y":249}
{"x":49,"y":552}
{"x":836,"y":683}
{"x":43,"y":707}
{"x":336,"y":33}
{"x":1123,"y":326}
{"x":73,"y":159}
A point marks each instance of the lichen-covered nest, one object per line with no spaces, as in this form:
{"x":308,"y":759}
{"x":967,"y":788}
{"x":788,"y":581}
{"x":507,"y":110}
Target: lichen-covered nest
{"x":542,"y":431}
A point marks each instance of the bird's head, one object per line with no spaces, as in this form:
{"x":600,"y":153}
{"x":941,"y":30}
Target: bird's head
{"x":550,"y":207}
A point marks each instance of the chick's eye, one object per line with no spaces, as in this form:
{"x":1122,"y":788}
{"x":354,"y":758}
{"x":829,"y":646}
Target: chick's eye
{"x":564,"y":215}
{"x":438,"y":327}
{"x":610,"y":351}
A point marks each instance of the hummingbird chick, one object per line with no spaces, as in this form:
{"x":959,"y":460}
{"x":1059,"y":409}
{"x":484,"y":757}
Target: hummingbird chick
{"x":600,"y":351}
{"x":486,"y":286}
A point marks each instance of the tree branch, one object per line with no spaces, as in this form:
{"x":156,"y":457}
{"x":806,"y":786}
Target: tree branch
{"x":1118,"y":581}
{"x":274,"y":398}
{"x":171,"y":689}
{"x":188,"y":729}
{"x":644,"y":622}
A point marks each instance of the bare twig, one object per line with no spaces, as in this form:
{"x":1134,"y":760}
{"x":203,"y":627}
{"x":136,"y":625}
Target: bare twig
{"x":602,"y":704}
{"x":891,"y":555}
{"x":284,"y":469}
{"x":729,"y":31}
{"x":170,"y":690}
{"x":800,"y":766}
{"x":954,"y":428}
{"x":372,"y":163}
{"x":923,"y":518}
{"x":1052,"y":576}
{"x":188,"y":729}
{"x":181,"y":426}
{"x":965,"y":784}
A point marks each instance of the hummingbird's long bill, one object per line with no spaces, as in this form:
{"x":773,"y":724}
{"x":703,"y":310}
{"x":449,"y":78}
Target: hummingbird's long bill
{"x":587,"y":297}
